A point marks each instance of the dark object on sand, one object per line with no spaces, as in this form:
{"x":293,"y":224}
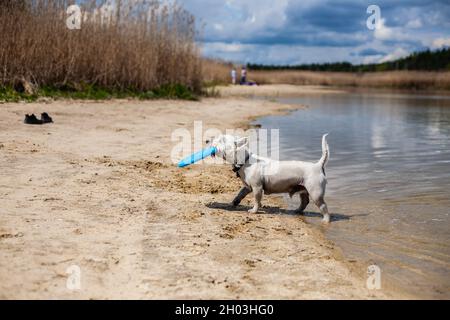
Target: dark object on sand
{"x":32,"y":119}
{"x":45,"y":118}
{"x":249,"y":83}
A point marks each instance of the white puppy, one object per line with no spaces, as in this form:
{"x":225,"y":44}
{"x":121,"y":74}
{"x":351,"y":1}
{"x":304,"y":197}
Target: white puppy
{"x":262,"y":175}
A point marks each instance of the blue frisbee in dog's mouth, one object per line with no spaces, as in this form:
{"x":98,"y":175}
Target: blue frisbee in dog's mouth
{"x":197,"y":157}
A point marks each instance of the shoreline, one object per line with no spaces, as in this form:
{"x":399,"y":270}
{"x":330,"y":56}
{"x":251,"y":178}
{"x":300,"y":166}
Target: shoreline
{"x":271,"y":91}
{"x":104,"y":195}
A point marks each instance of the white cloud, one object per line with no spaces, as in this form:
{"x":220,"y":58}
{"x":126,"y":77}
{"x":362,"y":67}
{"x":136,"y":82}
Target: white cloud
{"x":440,"y":43}
{"x":239,"y":19}
{"x":414,"y":24}
{"x":218,"y":26}
{"x":285,"y":31}
{"x":383,"y":32}
{"x":398,"y":34}
{"x":371,"y":59}
{"x":225,"y":47}
{"x":274,"y":54}
{"x":396,"y":54}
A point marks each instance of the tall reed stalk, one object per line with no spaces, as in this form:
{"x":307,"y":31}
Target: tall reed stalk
{"x":139,"y":45}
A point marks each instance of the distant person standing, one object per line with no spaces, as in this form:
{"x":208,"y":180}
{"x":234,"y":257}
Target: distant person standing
{"x":244,"y":75}
{"x":233,"y":76}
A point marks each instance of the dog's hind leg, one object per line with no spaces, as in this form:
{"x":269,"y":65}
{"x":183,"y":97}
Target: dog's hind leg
{"x":258,"y":193}
{"x":317,"y":193}
{"x":320,"y":203}
{"x":304,"y":196}
{"x":241,"y":195}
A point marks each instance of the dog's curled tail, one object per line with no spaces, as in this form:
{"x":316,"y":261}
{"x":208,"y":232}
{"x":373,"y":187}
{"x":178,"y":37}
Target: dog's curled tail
{"x":325,"y":152}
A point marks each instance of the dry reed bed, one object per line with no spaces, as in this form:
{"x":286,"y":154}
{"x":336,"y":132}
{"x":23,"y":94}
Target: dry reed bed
{"x":140,"y":46}
{"x":218,"y":72}
{"x":389,"y":79}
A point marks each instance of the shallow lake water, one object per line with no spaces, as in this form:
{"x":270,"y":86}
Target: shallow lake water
{"x":388,"y":180}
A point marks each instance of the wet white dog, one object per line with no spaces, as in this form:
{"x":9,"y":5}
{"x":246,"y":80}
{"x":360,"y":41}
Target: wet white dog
{"x":262,"y":175}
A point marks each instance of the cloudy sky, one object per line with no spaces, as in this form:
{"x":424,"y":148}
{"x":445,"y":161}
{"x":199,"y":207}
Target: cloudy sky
{"x":306,"y":31}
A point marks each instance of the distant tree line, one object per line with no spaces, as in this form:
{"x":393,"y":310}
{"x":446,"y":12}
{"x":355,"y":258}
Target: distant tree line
{"x":425,"y":60}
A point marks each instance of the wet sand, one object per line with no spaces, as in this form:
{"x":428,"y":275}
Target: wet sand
{"x":97,"y":189}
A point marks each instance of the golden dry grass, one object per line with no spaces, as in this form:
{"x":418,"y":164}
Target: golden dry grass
{"x":141,"y":46}
{"x":218,"y":72}
{"x":388,"y":79}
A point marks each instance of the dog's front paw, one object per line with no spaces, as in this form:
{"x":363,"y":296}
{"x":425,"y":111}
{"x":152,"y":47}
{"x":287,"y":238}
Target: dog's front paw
{"x":254,"y":210}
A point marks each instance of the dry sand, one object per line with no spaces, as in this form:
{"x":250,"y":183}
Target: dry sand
{"x":97,"y":189}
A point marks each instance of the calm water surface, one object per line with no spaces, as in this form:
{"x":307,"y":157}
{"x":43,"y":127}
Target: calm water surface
{"x":388,"y":180}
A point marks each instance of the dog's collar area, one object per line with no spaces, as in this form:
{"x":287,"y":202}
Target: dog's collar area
{"x":236,"y":170}
{"x":237,"y":167}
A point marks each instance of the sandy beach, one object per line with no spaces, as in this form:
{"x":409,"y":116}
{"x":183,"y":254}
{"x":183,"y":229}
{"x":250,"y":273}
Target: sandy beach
{"x":274,"y":90}
{"x":97,"y":189}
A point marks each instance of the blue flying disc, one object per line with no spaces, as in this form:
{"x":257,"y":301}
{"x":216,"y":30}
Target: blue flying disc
{"x":197,"y":157}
